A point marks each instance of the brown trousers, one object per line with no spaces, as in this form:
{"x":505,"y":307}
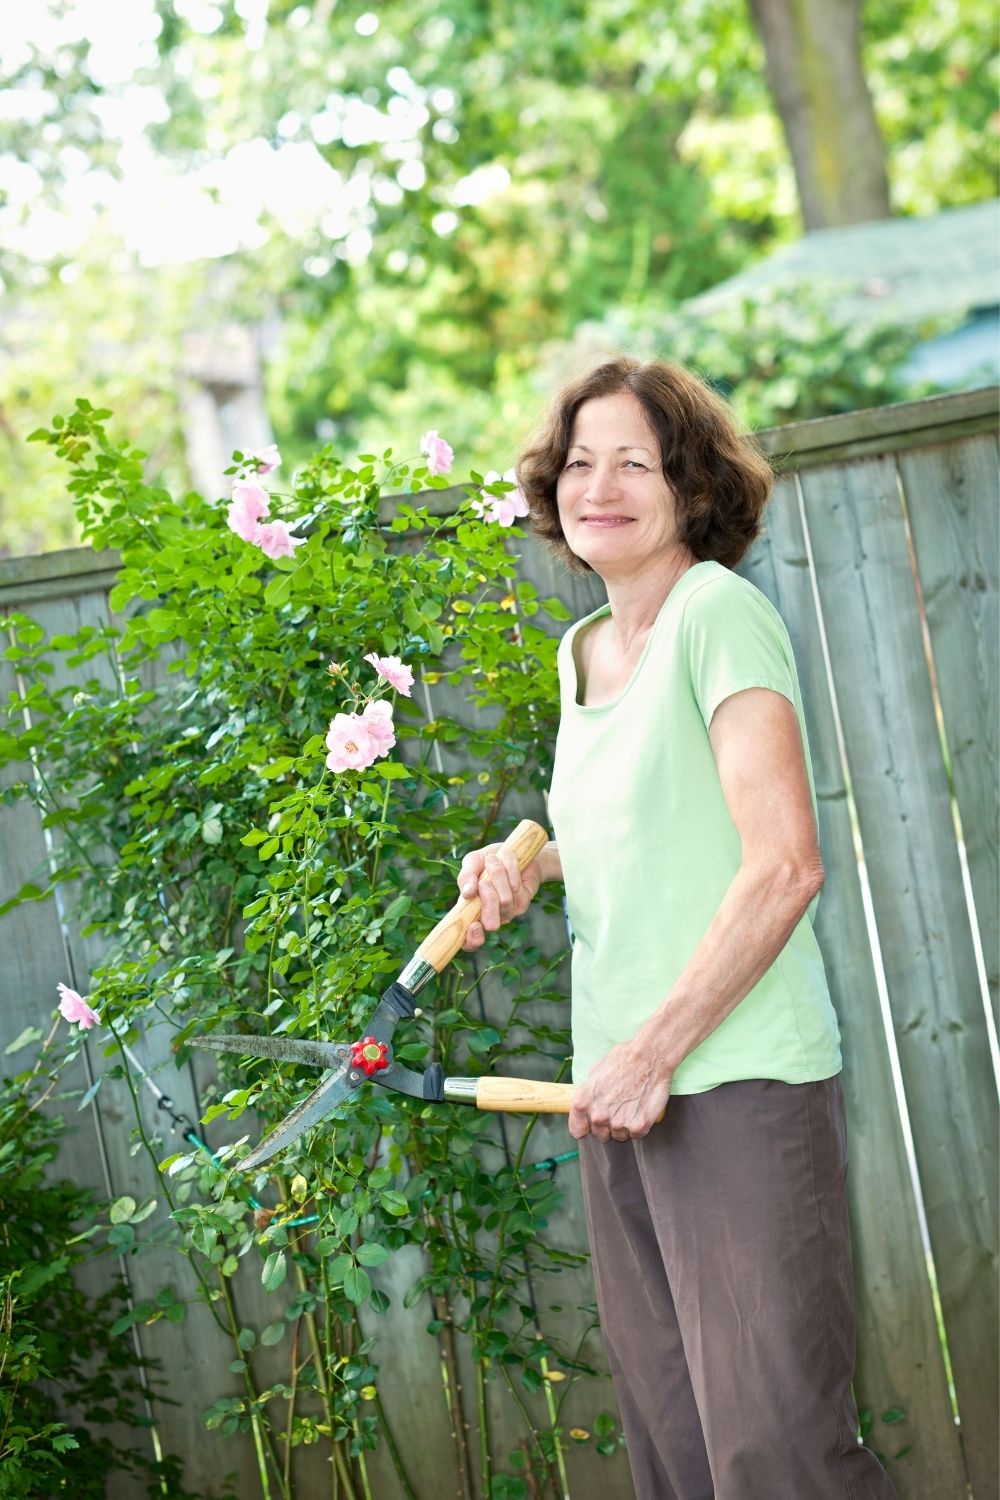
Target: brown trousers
{"x":722,"y":1261}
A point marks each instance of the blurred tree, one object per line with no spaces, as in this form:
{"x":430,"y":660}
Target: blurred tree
{"x":813,"y":50}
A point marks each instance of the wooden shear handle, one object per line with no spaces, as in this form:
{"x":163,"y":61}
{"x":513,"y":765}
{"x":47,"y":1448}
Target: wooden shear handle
{"x":523,"y":1096}
{"x":440,"y":946}
{"x":526,"y":1096}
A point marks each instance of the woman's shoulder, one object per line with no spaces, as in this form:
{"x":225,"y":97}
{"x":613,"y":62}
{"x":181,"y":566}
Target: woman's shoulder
{"x":571,"y":632}
{"x":722,"y":598}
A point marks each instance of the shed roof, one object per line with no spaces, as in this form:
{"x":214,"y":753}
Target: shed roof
{"x":900,"y":269}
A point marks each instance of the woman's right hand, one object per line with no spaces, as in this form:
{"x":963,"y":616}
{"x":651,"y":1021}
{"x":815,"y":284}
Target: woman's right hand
{"x":492,"y":874}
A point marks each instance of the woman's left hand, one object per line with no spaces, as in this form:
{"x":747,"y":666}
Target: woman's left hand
{"x":624,"y":1096}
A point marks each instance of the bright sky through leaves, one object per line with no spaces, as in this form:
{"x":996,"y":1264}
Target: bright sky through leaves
{"x":166,"y":215}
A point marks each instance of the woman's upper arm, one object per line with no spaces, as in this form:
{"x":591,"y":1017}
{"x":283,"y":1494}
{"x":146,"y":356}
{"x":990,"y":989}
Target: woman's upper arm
{"x":755,"y":739}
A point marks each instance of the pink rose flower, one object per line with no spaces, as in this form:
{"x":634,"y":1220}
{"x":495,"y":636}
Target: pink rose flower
{"x":378,"y":719}
{"x":275,"y":540}
{"x":249,"y":503}
{"x":393,"y":671}
{"x":440,"y":456}
{"x":74,"y":1008}
{"x":503,"y":509}
{"x":265,"y":460}
{"x":351,"y":743}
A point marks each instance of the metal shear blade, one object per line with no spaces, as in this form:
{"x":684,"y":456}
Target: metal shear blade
{"x":344,"y":1076}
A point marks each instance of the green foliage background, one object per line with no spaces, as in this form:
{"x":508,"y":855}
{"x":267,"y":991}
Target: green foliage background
{"x":645,"y":163}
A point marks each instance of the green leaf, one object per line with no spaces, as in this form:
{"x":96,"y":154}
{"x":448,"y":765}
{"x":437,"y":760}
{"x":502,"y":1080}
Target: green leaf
{"x":556,"y":609}
{"x":122,"y":1210}
{"x":484,"y":1039}
{"x":90,"y":1093}
{"x":28,"y":892}
{"x":213,"y":1112}
{"x":394,"y":1203}
{"x":338,"y":1268}
{"x":396,"y":909}
{"x":275,"y":1270}
{"x":372,"y":1254}
{"x":391,"y":770}
{"x":278,"y":767}
{"x":273,"y":1333}
{"x":204,"y":1236}
{"x":277,"y":592}
{"x":412,"y":1052}
{"x":357,"y":1285}
{"x":23,"y":1038}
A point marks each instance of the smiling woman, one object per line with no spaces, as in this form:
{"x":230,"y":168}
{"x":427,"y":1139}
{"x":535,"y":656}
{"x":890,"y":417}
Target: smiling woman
{"x":706,"y":1050}
{"x":670,"y":425}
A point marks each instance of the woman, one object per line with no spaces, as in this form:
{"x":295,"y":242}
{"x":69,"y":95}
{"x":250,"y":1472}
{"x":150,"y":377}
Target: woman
{"x":706,"y":1051}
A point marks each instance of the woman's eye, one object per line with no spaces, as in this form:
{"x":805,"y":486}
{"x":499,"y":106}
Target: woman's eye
{"x":581,"y":463}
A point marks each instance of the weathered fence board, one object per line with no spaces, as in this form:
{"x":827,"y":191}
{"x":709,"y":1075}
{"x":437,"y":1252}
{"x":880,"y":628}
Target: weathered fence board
{"x":956,"y":538}
{"x":873,"y":627}
{"x":895,"y":1314}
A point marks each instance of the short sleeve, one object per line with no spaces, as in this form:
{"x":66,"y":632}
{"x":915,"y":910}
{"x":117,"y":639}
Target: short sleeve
{"x":734,"y":638}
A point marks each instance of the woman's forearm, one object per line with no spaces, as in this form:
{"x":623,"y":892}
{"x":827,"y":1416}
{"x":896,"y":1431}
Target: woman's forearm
{"x":550,"y":863}
{"x":758,"y":914}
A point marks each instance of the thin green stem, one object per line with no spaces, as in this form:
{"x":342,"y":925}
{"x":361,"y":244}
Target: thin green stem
{"x":550,"y":1406}
{"x":393,"y":1447}
{"x":385,"y":808}
{"x":343,"y":1471}
{"x":261,"y":1426}
{"x":291,"y":1403}
{"x":484,"y":1431}
{"x":259,"y":1450}
{"x":526,"y":1417}
{"x":363,"y":1471}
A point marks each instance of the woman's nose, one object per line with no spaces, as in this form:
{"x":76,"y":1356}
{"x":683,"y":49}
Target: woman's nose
{"x":602,"y":483}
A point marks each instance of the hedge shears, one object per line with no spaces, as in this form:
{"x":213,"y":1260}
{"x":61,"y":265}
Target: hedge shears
{"x":350,"y":1065}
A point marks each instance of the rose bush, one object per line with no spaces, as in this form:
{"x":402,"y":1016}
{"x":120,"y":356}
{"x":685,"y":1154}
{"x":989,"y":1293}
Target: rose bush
{"x":267,"y":832}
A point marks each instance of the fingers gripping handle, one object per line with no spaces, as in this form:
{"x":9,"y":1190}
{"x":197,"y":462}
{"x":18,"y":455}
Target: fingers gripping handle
{"x":513,"y":1095}
{"x":440,"y":946}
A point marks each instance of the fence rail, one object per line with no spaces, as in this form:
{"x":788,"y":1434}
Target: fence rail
{"x":881,"y":553}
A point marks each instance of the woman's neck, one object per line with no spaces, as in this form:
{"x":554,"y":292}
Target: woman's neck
{"x":636,"y":601}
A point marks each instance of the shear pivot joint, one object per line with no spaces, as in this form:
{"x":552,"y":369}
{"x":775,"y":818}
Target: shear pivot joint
{"x":369,"y":1055}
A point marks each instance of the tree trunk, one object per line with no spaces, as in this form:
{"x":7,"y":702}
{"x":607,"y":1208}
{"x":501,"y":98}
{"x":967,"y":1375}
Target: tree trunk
{"x":813,"y":60}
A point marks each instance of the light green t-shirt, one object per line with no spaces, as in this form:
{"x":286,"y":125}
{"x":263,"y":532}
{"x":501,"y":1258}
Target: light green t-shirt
{"x":649,"y":849}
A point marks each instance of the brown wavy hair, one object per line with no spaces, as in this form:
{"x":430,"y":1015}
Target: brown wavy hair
{"x":721,"y":478}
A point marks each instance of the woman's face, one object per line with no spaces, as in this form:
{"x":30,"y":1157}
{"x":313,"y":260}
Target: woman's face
{"x":616,"y":509}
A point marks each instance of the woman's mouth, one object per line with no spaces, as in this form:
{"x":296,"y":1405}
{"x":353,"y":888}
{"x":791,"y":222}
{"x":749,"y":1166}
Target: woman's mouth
{"x":607,"y":521}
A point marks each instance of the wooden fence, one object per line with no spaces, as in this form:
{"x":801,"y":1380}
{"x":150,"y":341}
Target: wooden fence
{"x":881,"y":553}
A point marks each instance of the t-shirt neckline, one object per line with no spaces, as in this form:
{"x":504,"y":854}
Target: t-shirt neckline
{"x":605,"y":609}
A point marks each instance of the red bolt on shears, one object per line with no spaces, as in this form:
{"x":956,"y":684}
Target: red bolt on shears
{"x":369,"y":1055}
